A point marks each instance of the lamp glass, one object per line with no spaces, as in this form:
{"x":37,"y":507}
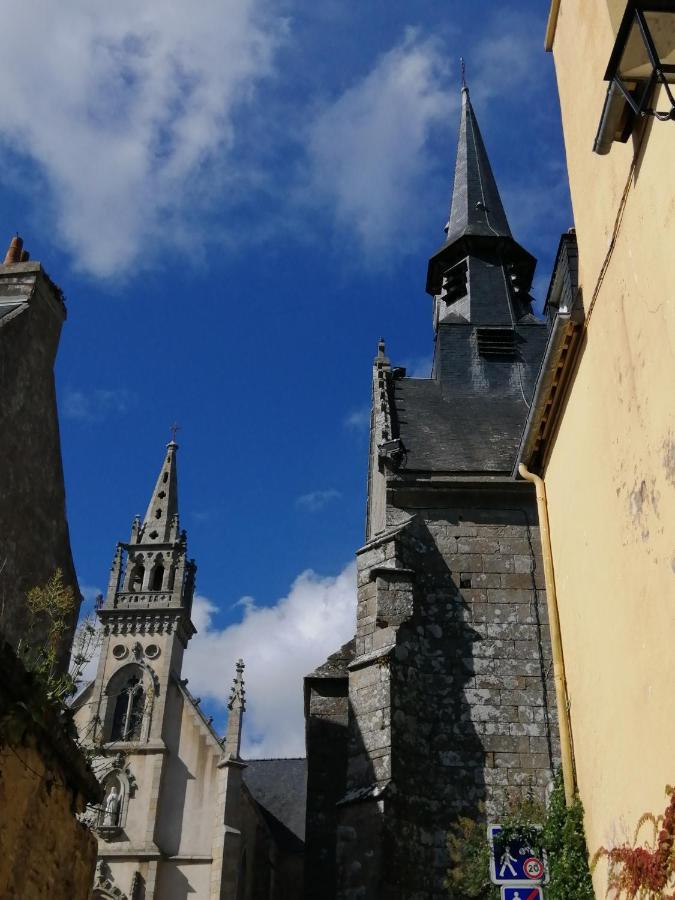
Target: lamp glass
{"x":662,"y":29}
{"x":634,"y":64}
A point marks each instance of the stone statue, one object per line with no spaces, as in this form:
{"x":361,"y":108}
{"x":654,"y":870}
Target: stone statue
{"x":111,"y":808}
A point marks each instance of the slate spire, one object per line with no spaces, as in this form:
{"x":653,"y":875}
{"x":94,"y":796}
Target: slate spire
{"x":476,"y":207}
{"x":160,"y":524}
{"x":477,"y":223}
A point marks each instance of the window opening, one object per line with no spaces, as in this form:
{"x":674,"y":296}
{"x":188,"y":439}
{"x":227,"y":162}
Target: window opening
{"x":157,"y":578}
{"x":137,"y":575}
{"x":128,"y":715}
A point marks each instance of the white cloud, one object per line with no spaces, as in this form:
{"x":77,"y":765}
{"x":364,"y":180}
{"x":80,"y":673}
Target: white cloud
{"x":358,"y":419}
{"x":279,"y":644}
{"x":369,"y":148}
{"x":316,"y":500}
{"x":127,"y":108}
{"x":97,"y":404}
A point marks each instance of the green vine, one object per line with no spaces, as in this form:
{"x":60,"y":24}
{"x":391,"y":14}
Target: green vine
{"x":556,"y":829}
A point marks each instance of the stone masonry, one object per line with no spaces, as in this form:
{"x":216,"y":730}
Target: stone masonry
{"x":451,"y":691}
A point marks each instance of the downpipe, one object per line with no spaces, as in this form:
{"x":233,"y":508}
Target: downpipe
{"x":556,"y":640}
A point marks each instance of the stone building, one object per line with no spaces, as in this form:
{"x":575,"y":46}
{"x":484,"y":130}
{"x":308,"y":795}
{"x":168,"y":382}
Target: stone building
{"x":44,"y":779}
{"x":33,"y":525}
{"x":444,"y":702}
{"x":178,"y":820}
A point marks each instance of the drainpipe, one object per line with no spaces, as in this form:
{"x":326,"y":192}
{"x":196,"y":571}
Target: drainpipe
{"x":556,"y":642}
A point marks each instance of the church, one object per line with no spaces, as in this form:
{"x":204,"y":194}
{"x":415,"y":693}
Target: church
{"x":182,"y":815}
{"x":443,"y":704}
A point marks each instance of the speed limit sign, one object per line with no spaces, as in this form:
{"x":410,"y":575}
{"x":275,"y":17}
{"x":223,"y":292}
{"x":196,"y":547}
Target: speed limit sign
{"x":533,"y":868}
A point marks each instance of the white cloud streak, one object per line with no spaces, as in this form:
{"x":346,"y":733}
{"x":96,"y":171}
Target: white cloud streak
{"x":127,"y":109}
{"x":279,"y":644}
{"x":369,"y":149}
{"x":358,"y":419}
{"x":316,"y":500}
{"x":97,"y":404}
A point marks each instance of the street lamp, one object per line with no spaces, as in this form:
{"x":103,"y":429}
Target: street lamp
{"x":642,"y":58}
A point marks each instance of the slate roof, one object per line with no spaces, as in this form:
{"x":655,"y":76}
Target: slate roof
{"x":476,"y":205}
{"x":336,"y":664}
{"x":279,"y":787}
{"x":478,"y":433}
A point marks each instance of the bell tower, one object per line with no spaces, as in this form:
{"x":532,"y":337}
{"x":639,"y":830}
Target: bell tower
{"x":146,"y":625}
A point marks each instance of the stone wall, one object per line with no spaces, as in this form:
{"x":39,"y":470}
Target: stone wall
{"x":34,"y":538}
{"x":44,"y":783}
{"x":326,"y":736}
{"x":451,"y":691}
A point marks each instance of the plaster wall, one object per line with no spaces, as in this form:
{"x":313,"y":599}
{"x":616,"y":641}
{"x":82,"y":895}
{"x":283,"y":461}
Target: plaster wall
{"x":611,"y":474}
{"x":189,"y":785}
{"x":176,"y":881}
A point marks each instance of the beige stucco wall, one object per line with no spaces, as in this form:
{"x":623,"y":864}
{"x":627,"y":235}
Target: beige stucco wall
{"x":611,"y":474}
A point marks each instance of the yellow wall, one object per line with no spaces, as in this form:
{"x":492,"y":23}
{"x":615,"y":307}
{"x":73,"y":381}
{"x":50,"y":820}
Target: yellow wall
{"x":611,"y":474}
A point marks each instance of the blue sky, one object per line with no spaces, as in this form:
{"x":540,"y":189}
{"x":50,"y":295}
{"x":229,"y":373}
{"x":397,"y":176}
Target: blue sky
{"x":237,"y":205}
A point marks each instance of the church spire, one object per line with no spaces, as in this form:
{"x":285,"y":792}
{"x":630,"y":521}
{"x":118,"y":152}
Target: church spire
{"x":236,"y":705}
{"x":476,"y":207}
{"x":477,"y":221}
{"x":160,"y":524}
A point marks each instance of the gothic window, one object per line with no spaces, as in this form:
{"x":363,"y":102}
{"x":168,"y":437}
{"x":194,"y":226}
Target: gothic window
{"x":172,"y":578}
{"x":157,"y":578}
{"x":136,"y":580}
{"x":128,"y":713}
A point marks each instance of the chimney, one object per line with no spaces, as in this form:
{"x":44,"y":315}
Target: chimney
{"x":14,"y":252}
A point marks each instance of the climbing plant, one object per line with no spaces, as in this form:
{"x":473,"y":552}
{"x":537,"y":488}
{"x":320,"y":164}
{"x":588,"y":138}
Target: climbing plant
{"x":646,"y":870}
{"x":48,"y":688}
{"x":557,"y":829}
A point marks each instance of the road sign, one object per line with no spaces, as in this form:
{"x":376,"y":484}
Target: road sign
{"x":522,"y":893}
{"x":515,"y":864}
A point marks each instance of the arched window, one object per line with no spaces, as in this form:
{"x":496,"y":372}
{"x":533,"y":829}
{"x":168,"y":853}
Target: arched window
{"x":128,"y":714}
{"x":171,"y":579}
{"x":157,"y":578}
{"x":136,"y":580}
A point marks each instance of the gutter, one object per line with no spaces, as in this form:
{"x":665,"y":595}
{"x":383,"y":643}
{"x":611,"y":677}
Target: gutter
{"x":551,"y":25}
{"x":561,"y":697}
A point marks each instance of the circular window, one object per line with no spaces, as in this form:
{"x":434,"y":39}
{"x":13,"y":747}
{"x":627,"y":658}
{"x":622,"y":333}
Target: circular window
{"x":152,"y":651}
{"x":119,"y":651}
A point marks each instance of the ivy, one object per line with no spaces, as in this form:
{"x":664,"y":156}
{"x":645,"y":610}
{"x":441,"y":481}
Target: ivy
{"x":555,"y":828}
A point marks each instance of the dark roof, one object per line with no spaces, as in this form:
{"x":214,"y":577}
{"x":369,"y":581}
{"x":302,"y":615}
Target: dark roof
{"x":336,"y":664}
{"x":279,"y":787}
{"x":476,"y":207}
{"x":469,"y":417}
{"x":474,"y":433}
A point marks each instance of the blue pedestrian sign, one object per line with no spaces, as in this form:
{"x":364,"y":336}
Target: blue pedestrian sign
{"x":517,"y":863}
{"x":522,"y":893}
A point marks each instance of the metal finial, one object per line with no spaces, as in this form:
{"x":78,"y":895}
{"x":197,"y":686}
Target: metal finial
{"x":461,"y":60}
{"x":173,"y":429}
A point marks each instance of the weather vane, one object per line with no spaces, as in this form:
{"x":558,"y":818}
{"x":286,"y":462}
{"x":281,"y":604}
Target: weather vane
{"x":173,"y":429}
